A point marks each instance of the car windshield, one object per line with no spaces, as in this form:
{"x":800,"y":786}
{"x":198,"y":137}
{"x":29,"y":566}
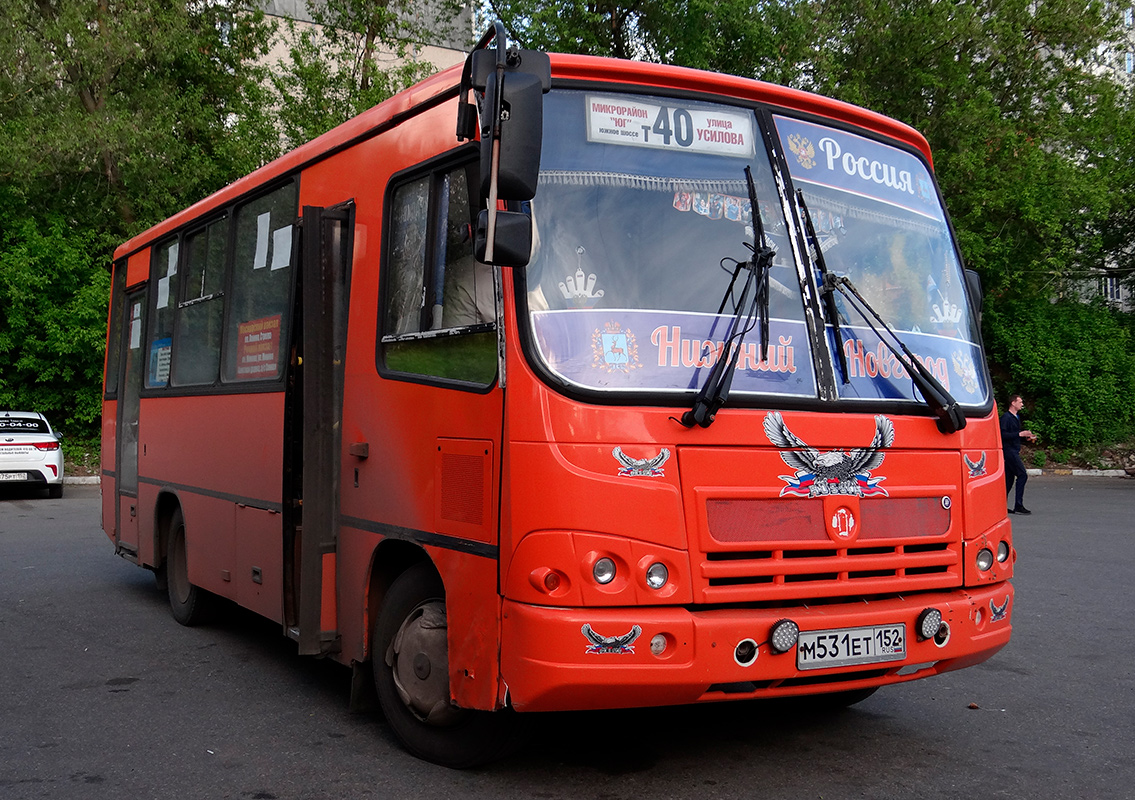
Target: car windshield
{"x":641,"y":221}
{"x":879,"y":222}
{"x":9,"y":424}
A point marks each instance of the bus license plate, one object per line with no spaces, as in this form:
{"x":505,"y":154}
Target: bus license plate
{"x":847,"y":646}
{"x":13,"y":476}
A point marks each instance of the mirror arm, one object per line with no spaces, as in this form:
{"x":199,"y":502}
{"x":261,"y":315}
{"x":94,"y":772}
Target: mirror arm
{"x":502,"y":63}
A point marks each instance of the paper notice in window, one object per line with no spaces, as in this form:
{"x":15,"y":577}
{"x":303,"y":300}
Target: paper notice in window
{"x":172,"y":270}
{"x":163,"y":293}
{"x":281,"y":247}
{"x":260,"y":260}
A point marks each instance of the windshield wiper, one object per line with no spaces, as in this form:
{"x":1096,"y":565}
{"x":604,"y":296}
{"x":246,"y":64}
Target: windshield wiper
{"x":830,"y":310}
{"x":948,"y":414}
{"x":752,"y":309}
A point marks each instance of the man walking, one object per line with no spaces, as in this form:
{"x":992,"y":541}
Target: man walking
{"x":1011,"y":435}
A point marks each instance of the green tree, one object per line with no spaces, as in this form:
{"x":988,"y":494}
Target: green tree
{"x":1074,"y":360}
{"x":360,"y":53}
{"x":1010,"y":97}
{"x":767,"y":39}
{"x":113,"y":115}
{"x":53,"y":291}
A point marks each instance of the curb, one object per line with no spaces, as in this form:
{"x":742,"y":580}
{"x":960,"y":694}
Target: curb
{"x":85,"y":481}
{"x":1081,"y":473}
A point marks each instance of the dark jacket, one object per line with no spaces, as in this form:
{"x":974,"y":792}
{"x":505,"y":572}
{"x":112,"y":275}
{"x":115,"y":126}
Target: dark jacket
{"x":1010,"y":432}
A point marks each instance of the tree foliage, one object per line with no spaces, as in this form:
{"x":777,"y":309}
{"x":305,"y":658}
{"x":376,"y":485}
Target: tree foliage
{"x":1075,"y":360}
{"x":113,"y":115}
{"x":360,"y":53}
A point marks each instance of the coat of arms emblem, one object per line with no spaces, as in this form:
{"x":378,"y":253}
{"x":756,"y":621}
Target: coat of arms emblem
{"x":614,"y":349}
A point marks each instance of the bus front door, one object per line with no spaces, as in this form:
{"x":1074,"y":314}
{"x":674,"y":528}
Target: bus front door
{"x":126,"y":459}
{"x":313,"y":421}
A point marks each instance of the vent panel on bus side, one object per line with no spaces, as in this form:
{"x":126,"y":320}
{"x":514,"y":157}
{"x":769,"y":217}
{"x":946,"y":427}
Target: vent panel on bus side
{"x":463,"y":483}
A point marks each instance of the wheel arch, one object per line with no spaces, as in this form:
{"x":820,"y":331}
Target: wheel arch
{"x":167,"y":503}
{"x":391,"y":558}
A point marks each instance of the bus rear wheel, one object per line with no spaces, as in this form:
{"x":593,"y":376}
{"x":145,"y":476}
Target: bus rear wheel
{"x":410,"y":656}
{"x":191,"y":605}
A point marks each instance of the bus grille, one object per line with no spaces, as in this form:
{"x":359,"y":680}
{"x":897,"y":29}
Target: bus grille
{"x":778,"y":550}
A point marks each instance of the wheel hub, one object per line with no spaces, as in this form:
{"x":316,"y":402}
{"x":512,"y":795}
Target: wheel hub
{"x":418,"y":658}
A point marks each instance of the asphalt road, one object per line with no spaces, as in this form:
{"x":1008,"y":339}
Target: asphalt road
{"x":103,"y":695}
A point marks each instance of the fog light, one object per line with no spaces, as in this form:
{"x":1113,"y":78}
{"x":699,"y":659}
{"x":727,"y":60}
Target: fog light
{"x":657,"y":575}
{"x":552,"y":581}
{"x":929,"y":621}
{"x":1003,"y":552}
{"x":658,"y":644}
{"x":783,"y":636}
{"x":604,"y":571}
{"x":984,"y":559}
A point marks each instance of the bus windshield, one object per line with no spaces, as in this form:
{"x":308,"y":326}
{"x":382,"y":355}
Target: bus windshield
{"x":880,"y":223}
{"x":643,"y":229}
{"x":641,"y":220}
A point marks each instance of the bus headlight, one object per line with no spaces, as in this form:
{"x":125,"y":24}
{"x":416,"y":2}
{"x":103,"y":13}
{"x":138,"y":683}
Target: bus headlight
{"x":657,"y":575}
{"x":603,"y":571}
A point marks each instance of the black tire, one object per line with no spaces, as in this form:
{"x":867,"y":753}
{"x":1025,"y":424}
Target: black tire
{"x":191,"y":605}
{"x":55,"y":491}
{"x":411,"y":675}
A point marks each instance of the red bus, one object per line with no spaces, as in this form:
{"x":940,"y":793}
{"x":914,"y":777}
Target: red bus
{"x":649,"y":386}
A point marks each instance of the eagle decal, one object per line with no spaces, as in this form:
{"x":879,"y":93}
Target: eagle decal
{"x":976,"y":469}
{"x":1000,"y":611}
{"x":611,"y":644}
{"x":641,"y":467}
{"x":834,"y":472}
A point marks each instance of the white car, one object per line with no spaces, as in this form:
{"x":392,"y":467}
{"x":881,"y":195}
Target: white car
{"x":30,"y":454}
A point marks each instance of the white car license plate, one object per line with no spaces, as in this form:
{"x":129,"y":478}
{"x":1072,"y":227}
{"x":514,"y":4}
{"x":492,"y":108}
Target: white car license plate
{"x":844,"y":647}
{"x":13,"y":476}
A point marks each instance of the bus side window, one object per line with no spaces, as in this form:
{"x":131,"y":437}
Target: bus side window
{"x":440,"y":308}
{"x":164,"y":279}
{"x":201,"y":313}
{"x":259,"y":305}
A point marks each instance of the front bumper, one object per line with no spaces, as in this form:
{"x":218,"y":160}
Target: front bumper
{"x":549,"y":663}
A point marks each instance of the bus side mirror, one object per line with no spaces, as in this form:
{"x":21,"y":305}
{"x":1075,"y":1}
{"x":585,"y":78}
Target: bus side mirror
{"x":512,"y":246}
{"x":973,"y":284}
{"x":516,"y":94}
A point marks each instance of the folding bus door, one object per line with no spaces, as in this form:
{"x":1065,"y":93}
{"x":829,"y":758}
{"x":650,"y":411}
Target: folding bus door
{"x":314,"y":424}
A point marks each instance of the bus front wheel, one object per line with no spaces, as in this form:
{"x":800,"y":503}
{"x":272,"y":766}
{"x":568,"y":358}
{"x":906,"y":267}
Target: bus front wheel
{"x":191,"y":605}
{"x":410,"y":656}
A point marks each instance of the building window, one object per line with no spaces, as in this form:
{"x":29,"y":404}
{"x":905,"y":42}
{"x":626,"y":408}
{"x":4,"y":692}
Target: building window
{"x":1129,"y":58}
{"x":1111,"y":289}
{"x":1128,"y":17}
